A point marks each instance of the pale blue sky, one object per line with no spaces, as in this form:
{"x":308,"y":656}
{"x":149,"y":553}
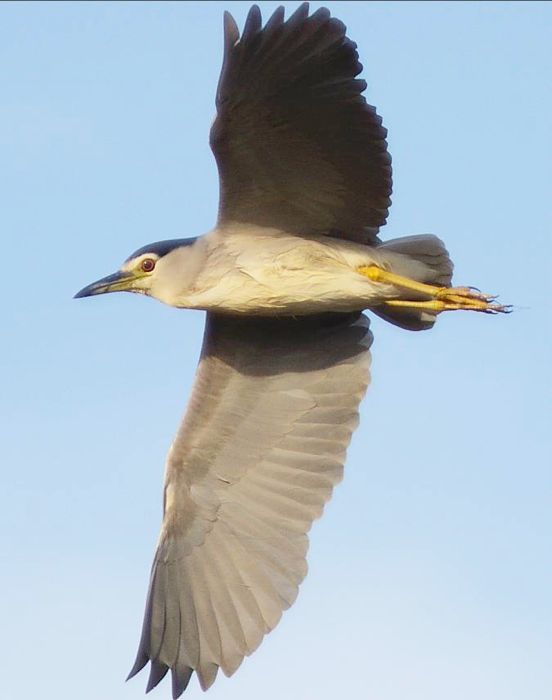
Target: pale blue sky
{"x":431,"y":571}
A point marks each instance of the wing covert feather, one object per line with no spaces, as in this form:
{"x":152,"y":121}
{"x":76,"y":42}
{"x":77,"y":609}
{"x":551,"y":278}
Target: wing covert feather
{"x":256,"y":458}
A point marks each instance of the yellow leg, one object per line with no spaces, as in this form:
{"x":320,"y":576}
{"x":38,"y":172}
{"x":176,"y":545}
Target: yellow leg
{"x":441,"y":298}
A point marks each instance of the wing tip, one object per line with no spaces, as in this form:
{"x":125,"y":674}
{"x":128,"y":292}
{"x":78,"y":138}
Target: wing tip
{"x":180,"y":680}
{"x":206,"y":674}
{"x":231,"y":31}
{"x":141,"y":660}
{"x":253,"y":23}
{"x":158,"y":671}
{"x":301,"y":13}
{"x":277,"y":16}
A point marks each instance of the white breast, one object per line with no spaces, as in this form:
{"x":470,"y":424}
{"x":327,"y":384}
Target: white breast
{"x":269,"y":272}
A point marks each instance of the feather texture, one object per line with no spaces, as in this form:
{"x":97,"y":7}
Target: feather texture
{"x":297,"y":146}
{"x":262,"y":446}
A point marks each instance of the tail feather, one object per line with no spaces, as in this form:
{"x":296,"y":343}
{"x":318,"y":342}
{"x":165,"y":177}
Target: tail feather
{"x":424,"y":259}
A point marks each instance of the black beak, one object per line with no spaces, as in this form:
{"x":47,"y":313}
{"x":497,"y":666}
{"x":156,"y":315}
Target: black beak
{"x":118,"y":282}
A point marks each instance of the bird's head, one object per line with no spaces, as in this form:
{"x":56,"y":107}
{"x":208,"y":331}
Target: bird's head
{"x":159,"y":269}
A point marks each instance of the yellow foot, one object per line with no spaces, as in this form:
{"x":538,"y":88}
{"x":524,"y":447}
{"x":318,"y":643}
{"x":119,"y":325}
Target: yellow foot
{"x":441,"y":298}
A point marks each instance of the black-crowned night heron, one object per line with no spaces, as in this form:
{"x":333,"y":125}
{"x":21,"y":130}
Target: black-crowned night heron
{"x":305,"y":180}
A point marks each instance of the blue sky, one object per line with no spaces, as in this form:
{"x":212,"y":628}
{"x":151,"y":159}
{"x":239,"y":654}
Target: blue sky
{"x":430,"y":572}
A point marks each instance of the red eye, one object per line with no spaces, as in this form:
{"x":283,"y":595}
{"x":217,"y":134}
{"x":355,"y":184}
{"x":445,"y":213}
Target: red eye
{"x":148,"y":265}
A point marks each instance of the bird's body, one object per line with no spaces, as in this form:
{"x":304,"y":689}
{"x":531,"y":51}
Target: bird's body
{"x":260,"y":271}
{"x":293,"y":261}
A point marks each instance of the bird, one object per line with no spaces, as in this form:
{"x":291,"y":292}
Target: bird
{"x":285,"y":276}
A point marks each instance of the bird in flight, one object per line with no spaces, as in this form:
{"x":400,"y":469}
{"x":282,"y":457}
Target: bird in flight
{"x":293,"y":261}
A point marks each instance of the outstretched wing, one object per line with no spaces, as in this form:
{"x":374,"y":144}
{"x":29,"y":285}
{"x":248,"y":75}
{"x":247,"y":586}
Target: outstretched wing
{"x":297,"y":146}
{"x":262,"y":446}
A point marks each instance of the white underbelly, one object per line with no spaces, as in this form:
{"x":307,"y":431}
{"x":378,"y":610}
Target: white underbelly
{"x":288,"y":275}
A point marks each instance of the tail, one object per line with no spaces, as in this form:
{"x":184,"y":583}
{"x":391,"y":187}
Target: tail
{"x":424,"y":259}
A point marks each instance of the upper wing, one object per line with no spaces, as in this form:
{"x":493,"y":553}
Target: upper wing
{"x":262,"y":446}
{"x":296,"y":145}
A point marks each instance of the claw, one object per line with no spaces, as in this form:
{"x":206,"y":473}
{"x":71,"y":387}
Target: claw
{"x":500,"y":309}
{"x":465,"y":292}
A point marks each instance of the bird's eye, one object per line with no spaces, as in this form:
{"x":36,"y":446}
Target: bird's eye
{"x":148,"y":265}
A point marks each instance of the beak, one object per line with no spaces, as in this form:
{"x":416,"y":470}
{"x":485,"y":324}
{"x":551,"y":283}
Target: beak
{"x":118,"y":282}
